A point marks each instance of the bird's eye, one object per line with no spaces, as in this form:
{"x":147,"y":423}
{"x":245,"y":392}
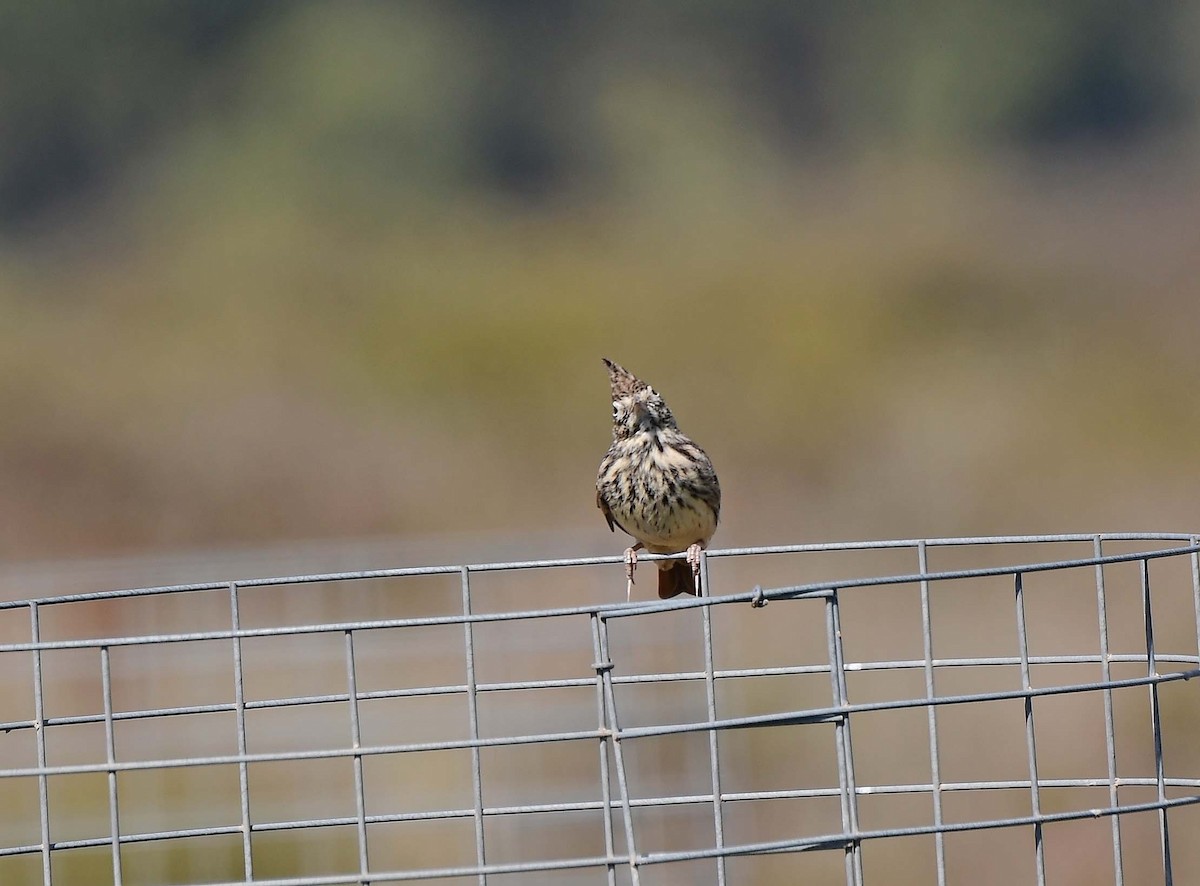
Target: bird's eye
{"x":616,"y":411}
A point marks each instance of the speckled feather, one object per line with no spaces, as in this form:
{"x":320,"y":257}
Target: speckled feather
{"x":655,"y":483}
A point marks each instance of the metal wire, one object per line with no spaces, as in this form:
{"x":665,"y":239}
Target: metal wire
{"x":628,"y":847}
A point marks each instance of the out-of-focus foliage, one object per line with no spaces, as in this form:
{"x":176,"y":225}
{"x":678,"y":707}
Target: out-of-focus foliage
{"x":292,"y":270}
{"x":540,"y":100}
{"x":85,"y":88}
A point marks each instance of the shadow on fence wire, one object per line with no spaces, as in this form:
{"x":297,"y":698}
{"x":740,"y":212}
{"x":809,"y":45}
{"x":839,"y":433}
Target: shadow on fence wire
{"x":984,"y":710}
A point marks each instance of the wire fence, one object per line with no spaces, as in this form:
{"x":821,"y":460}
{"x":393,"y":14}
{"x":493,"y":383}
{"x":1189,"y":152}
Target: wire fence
{"x":1023,"y":708}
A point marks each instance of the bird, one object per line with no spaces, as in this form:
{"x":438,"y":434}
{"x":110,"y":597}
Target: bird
{"x":656,"y":485}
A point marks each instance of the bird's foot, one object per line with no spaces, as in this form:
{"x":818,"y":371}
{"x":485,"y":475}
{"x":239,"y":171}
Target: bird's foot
{"x":630,"y":566}
{"x":693,"y":558}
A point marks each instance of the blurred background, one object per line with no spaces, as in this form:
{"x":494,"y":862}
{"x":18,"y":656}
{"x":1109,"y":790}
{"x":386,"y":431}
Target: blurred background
{"x":295,"y":287}
{"x":279,"y":272}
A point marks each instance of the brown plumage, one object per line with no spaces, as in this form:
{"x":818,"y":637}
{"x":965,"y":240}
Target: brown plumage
{"x":655,"y":484}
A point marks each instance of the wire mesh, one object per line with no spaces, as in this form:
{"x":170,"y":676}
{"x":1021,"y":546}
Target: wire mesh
{"x":1014,"y":708}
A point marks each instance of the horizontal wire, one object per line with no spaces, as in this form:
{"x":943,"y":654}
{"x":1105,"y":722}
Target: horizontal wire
{"x":829,"y":714}
{"x":597,"y":805}
{"x":801,"y":844}
{"x":831,"y":841}
{"x":609,"y":560}
{"x":840,"y":841}
{"x":605,"y":610}
{"x":590,"y":682}
{"x":784,"y":718}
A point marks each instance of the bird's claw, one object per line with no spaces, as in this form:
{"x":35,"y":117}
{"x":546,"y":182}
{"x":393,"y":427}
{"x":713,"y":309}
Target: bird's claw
{"x":630,"y":566}
{"x":693,"y":558}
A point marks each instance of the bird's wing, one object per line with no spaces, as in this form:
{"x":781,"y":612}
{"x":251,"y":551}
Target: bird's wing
{"x":708,"y":488}
{"x":712,"y":497}
{"x":604,"y":508}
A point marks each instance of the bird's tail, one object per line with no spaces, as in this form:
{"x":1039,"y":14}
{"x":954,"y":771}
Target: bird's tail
{"x":675,"y":577}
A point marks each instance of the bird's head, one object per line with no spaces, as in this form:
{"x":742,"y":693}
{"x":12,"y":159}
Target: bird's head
{"x":637,"y":407}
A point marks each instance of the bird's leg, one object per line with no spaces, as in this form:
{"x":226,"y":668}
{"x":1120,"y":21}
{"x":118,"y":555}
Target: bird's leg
{"x":630,"y":565}
{"x":693,"y":557}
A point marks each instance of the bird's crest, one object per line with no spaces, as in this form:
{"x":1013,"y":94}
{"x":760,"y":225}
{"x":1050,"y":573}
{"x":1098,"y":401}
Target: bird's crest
{"x":624,"y":382}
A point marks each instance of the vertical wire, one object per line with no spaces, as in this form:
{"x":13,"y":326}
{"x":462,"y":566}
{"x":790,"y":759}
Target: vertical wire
{"x":1196,"y":591}
{"x":837,"y":736}
{"x":39,"y":728}
{"x":239,"y":703}
{"x":360,"y":799}
{"x":710,"y":690}
{"x":852,"y":781}
{"x":1110,"y":740}
{"x":1156,"y":724}
{"x":1030,"y":741}
{"x":110,"y":746}
{"x":610,"y":701}
{"x":845,"y":749}
{"x":935,"y":769}
{"x":601,"y":664}
{"x":473,"y":724}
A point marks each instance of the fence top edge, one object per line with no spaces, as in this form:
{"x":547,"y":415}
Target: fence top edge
{"x":1192,"y":545}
